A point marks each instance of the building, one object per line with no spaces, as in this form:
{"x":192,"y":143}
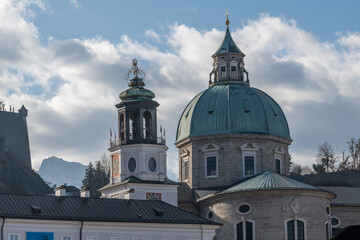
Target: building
{"x":234,"y":163}
{"x":83,"y":218}
{"x":14,"y":137}
{"x":139,"y":156}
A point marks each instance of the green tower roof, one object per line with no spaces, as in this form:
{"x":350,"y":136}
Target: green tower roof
{"x":228,"y":45}
{"x":232,"y":108}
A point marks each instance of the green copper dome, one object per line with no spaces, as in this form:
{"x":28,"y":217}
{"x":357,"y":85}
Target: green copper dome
{"x":232,"y":108}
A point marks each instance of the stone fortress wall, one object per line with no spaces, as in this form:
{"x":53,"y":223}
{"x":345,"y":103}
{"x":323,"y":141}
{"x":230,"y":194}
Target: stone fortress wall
{"x":14,"y":137}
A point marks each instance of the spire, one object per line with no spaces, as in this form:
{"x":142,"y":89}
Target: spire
{"x":228,"y":63}
{"x":228,"y":45}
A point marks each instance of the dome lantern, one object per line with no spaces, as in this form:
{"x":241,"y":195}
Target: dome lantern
{"x":228,"y":63}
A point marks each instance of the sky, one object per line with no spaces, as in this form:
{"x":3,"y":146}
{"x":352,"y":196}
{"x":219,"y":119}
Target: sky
{"x":66,"y":62}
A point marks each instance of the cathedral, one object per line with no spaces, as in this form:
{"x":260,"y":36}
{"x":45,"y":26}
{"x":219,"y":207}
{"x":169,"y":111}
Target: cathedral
{"x":233,"y":144}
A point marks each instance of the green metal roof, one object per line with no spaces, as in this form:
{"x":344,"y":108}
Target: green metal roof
{"x":133,"y":179}
{"x":136,"y":91}
{"x":228,"y":45}
{"x":232,"y":108}
{"x":270,"y":180}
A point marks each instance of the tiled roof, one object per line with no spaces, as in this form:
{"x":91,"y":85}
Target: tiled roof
{"x":270,"y":180}
{"x":346,"y":196}
{"x":95,"y":209}
{"x":133,"y":179}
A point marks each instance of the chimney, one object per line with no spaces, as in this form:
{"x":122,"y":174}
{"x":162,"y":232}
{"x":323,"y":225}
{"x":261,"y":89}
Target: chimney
{"x":60,"y":191}
{"x":85,"y":192}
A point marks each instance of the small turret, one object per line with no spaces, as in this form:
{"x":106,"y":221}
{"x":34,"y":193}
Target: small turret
{"x":228,"y":63}
{"x":23,"y":111}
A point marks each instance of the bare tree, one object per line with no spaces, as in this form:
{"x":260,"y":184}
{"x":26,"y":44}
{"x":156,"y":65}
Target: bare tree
{"x":344,"y":163}
{"x":326,"y":157}
{"x":354,"y":150}
{"x":295,"y":169}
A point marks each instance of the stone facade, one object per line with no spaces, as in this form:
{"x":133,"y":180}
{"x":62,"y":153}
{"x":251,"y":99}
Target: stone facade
{"x":270,"y":210}
{"x":347,"y":215}
{"x":229,"y":150}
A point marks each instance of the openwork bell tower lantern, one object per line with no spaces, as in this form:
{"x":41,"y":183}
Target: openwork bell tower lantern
{"x":228,"y":63}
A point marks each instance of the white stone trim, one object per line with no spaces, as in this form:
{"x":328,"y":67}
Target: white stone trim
{"x":244,"y":220}
{"x":210,"y":147}
{"x":250,"y":147}
{"x":184,"y":152}
{"x":295,"y":219}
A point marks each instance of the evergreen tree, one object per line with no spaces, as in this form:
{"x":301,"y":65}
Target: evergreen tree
{"x":89,"y":172}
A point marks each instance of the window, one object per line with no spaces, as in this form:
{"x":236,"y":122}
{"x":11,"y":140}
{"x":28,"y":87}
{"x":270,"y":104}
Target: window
{"x":223,"y":72}
{"x":245,"y":231}
{"x":147,"y":131}
{"x":186,"y":170}
{"x":249,"y":165}
{"x":66,"y":237}
{"x":13,"y":236}
{"x":152,"y":164}
{"x":132,"y":165}
{"x":210,"y":215}
{"x":244,"y":209}
{"x":295,"y":230}
{"x":211,"y":166}
{"x":277,"y":165}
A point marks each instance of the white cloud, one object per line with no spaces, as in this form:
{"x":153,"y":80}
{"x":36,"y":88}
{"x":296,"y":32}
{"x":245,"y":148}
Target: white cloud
{"x":80,"y":80}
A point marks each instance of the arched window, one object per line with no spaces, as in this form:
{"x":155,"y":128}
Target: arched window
{"x":122,"y":127}
{"x":147,"y":125}
{"x":295,"y":229}
{"x":245,"y":230}
{"x":233,"y":70}
{"x":132,"y":125}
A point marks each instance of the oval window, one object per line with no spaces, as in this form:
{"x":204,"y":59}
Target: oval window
{"x":210,"y":215}
{"x":132,"y":165}
{"x":334,"y":221}
{"x":152,"y":164}
{"x":244,"y":208}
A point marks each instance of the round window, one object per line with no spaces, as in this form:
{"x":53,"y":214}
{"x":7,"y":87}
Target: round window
{"x":244,"y":208}
{"x":210,"y":215}
{"x":152,"y":164}
{"x":334,"y":221}
{"x":132,"y":165}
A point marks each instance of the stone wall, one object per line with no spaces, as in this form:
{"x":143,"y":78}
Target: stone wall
{"x":14,"y":136}
{"x":230,"y":157}
{"x":269,"y":212}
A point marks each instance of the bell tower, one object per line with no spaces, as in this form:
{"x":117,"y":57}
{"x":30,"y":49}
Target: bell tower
{"x":138,"y":155}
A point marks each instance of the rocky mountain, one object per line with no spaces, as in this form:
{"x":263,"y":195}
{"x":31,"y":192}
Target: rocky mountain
{"x":58,"y":171}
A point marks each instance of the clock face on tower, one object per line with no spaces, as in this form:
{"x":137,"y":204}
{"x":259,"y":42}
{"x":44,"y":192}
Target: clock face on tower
{"x":153,"y":196}
{"x":115,"y":166}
